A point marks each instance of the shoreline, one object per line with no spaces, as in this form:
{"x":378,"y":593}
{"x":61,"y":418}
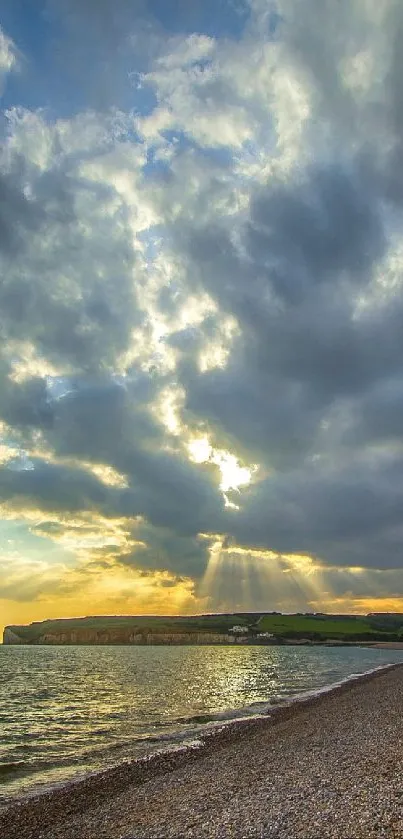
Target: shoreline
{"x":38,"y":811}
{"x":284,"y":642}
{"x":296,"y":642}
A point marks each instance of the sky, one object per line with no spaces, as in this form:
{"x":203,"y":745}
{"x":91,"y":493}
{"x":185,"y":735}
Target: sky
{"x":201,"y":307}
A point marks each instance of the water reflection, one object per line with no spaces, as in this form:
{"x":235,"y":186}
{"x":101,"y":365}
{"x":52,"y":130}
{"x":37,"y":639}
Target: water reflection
{"x":68,"y":708}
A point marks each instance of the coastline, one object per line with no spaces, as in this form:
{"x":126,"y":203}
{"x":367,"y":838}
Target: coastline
{"x":239,"y":642}
{"x":42,"y":814}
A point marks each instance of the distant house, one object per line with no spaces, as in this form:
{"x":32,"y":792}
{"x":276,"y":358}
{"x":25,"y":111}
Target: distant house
{"x":239,"y":630}
{"x":265,"y":635}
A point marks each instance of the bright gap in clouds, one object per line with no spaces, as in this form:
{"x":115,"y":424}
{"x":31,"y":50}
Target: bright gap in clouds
{"x":233,"y":475}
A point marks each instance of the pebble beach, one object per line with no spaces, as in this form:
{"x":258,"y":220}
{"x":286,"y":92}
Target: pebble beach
{"x":325,"y":766}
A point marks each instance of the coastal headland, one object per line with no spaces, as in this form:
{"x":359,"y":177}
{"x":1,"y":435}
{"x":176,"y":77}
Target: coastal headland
{"x":234,"y":628}
{"x":329,"y":765}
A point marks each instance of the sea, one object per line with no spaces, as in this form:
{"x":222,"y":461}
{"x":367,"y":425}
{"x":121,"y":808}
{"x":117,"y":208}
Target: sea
{"x":69,"y":711}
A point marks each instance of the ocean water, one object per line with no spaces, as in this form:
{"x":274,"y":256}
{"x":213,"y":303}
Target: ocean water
{"x":65,"y":711}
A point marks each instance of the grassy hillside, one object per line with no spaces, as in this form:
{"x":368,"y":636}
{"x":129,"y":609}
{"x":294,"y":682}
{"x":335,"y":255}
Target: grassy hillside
{"x":287,"y":627}
{"x":308,"y":626}
{"x":157,"y":623}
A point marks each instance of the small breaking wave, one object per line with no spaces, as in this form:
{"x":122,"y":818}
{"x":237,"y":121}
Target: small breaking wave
{"x":88,"y":727}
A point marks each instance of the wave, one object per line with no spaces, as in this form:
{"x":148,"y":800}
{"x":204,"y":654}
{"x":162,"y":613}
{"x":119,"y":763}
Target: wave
{"x":197,"y":726}
{"x":192,"y":732}
{"x":259,"y":710}
{"x":157,"y":760}
{"x":39,"y":766}
{"x":12,"y":768}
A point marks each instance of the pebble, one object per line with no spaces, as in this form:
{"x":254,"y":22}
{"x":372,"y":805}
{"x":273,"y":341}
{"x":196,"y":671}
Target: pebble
{"x":329,"y":767}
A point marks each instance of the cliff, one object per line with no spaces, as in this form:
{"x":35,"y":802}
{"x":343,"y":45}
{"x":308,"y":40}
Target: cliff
{"x":207,"y":629}
{"x":10,"y":637}
{"x":49,"y":632}
{"x":126,"y":629}
{"x":126,"y":637}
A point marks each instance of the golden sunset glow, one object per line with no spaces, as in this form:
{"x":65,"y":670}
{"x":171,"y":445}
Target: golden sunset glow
{"x":87,"y":589}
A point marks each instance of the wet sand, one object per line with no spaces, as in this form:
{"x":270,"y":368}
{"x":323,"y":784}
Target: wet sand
{"x":330,"y":766}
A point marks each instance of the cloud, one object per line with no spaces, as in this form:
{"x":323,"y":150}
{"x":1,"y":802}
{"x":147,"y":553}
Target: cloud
{"x":18,"y":214}
{"x":113,"y":423}
{"x":211,"y":248}
{"x":24,"y":582}
{"x":25,"y":404}
{"x":300,"y":270}
{"x":344,"y":512}
{"x":69,"y":288}
{"x":98,"y":426}
{"x":166,"y":548}
{"x":52,"y":488}
{"x":8,"y":58}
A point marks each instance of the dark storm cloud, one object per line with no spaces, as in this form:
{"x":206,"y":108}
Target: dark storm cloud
{"x":69,"y":287}
{"x":369,"y":117}
{"x":25,"y":405}
{"x":18,"y":214}
{"x":103,"y":419}
{"x":306,"y":249}
{"x":304,"y":358}
{"x":53,"y":488}
{"x":165,"y":548}
{"x":312,"y":376}
{"x":294,"y":369}
{"x":309,"y":234}
{"x":348,"y":513}
{"x":378,"y":417}
{"x":112,"y":423}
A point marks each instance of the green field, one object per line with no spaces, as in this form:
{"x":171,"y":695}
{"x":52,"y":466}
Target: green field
{"x":340,"y":628}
